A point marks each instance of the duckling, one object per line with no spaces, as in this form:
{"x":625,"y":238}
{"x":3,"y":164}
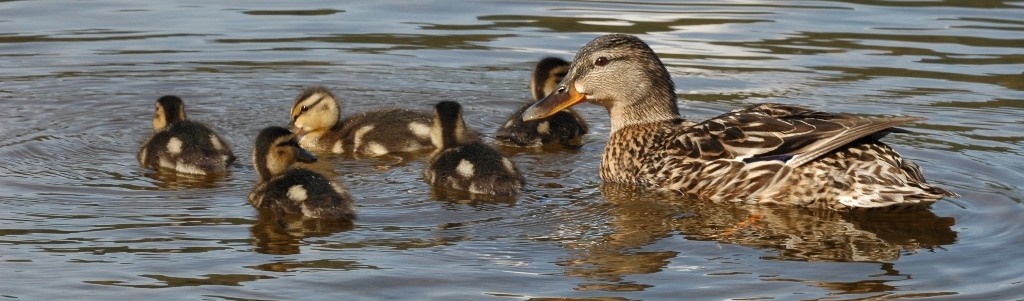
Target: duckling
{"x":316,"y":117}
{"x":765,"y":153}
{"x":288,"y":190}
{"x":181,"y":144}
{"x":564,"y":127}
{"x":462,"y":162}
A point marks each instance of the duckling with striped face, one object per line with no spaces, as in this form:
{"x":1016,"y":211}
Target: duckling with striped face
{"x":564,"y":127}
{"x":288,"y":190}
{"x":316,"y":116}
{"x":183,"y":145}
{"x":462,"y":162}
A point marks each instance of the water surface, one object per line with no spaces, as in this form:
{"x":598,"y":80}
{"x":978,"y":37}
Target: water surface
{"x":80,"y":220}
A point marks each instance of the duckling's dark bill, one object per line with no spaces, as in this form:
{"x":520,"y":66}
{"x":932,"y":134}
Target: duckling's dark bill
{"x":305,"y":156}
{"x":555,"y":102}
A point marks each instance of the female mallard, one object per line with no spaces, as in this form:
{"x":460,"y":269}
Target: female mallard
{"x":462,"y":162}
{"x":316,"y":116}
{"x":564,"y":127}
{"x":766,"y":153}
{"x":181,"y":144}
{"x":287,"y":190}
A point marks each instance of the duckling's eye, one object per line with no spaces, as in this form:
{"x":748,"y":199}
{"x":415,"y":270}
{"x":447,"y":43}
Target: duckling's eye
{"x":601,"y":61}
{"x":304,"y":108}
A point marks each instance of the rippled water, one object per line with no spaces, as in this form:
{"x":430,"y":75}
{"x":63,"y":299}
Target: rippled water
{"x":80,"y":220}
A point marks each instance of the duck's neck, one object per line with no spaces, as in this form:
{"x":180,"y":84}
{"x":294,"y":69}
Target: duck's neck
{"x":447,"y":133}
{"x":657,"y":105}
{"x":313,"y":140}
{"x":266,"y":172}
{"x":635,"y":152}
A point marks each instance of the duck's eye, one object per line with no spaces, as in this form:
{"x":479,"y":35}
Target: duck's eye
{"x":304,"y":108}
{"x":601,"y":61}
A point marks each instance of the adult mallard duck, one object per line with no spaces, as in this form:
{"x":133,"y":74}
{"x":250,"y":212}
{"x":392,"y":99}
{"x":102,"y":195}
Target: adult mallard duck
{"x":765,"y":153}
{"x":316,"y":116}
{"x":288,"y":190}
{"x":564,"y":127}
{"x":462,"y":162}
{"x":181,"y":144}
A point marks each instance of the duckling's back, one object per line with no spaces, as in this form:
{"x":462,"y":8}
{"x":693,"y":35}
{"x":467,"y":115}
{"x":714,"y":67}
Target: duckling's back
{"x":565,"y":127}
{"x":187,"y":147}
{"x":316,"y":116}
{"x":382,"y":131}
{"x":303,"y":192}
{"x":474,"y":167}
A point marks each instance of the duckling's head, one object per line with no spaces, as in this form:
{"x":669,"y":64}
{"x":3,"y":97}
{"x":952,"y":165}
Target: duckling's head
{"x":169,"y":109}
{"x":276,"y":149}
{"x":546,"y":76}
{"x":314,"y":109}
{"x":619,"y":72}
{"x":448,"y":129}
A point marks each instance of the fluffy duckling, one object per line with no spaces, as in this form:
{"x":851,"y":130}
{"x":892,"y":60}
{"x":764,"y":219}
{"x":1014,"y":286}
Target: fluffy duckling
{"x":181,"y":144}
{"x":462,"y":162}
{"x":564,"y":127}
{"x":288,"y":190}
{"x":765,"y":153}
{"x":316,"y":116}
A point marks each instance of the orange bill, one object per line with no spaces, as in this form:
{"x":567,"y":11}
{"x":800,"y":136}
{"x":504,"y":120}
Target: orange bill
{"x":555,"y":102}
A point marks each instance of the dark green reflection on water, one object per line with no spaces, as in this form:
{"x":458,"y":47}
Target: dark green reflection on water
{"x":396,"y":41}
{"x":584,"y":24}
{"x":311,"y":12}
{"x":170,"y":281}
{"x":321,"y":264}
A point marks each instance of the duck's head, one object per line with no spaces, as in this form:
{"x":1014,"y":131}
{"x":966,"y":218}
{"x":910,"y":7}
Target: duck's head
{"x":619,"y":72}
{"x":276,"y":149}
{"x":314,"y":109}
{"x":448,"y":129}
{"x":546,"y":76}
{"x":169,"y":109}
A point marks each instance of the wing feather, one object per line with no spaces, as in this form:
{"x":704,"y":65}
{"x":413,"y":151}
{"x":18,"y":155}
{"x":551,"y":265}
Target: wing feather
{"x":794,"y":134}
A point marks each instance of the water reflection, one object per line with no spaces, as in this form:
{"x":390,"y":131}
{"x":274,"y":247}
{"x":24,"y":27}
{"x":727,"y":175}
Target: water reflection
{"x":171,"y":281}
{"x":579,"y":24}
{"x":800,"y":234}
{"x":454,"y":197}
{"x":73,"y":199}
{"x":385,"y":41}
{"x":550,"y":148}
{"x":311,"y":12}
{"x":869,"y":286}
{"x":639,"y":218}
{"x":283,"y":235}
{"x":323,"y":264}
{"x":170,"y":180}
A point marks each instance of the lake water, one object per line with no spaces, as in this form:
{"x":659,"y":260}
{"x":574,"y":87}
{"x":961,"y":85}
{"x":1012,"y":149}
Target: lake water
{"x":79,"y":219}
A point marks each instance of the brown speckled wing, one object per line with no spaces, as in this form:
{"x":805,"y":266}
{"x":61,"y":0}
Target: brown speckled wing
{"x":777,"y":132}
